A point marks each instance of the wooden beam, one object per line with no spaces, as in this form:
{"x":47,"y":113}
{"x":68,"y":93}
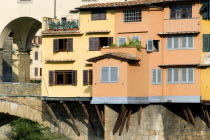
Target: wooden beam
{"x":118,"y":122}
{"x":207,"y":115}
{"x":88,"y":117}
{"x":123,"y":122}
{"x":190,"y":114}
{"x":99,"y":115}
{"x":139,"y":115}
{"x":52,"y":114}
{"x":185,"y":113}
{"x":71,"y":117}
{"x":128,"y":120}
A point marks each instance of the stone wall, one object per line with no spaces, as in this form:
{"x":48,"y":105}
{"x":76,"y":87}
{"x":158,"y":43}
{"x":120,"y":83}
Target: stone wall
{"x":20,"y":89}
{"x":159,"y":122}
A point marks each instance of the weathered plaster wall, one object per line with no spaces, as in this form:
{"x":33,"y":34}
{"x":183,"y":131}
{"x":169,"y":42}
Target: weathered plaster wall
{"x":159,"y":122}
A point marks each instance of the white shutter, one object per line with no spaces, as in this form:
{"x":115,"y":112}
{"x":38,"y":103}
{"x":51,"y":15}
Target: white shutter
{"x":121,"y":40}
{"x":169,"y":75}
{"x":184,"y":42}
{"x":159,"y":76}
{"x":176,"y":43}
{"x":176,"y":75}
{"x":154,"y":76}
{"x":149,"y":45}
{"x":104,"y":74}
{"x":137,"y":37}
{"x":184,"y":75}
{"x":190,"y":40}
{"x":190,"y":75}
{"x":169,"y":43}
{"x":114,"y":74}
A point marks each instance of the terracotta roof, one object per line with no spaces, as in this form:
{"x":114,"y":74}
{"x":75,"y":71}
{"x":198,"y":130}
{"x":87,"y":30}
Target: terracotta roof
{"x":57,"y":61}
{"x":127,"y":3}
{"x":115,"y":55}
{"x":99,"y":31}
{"x":49,"y":33}
{"x":173,"y":65}
{"x":183,"y":32}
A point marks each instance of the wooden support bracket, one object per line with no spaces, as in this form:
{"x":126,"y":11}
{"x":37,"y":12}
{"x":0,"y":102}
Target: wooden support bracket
{"x":123,"y":122}
{"x":88,"y":117}
{"x":100,"y":116}
{"x":119,"y":119}
{"x":190,"y":114}
{"x":128,"y":120}
{"x":139,"y":115}
{"x":185,"y":113}
{"x":71,"y":117}
{"x":49,"y":109}
{"x":206,"y":113}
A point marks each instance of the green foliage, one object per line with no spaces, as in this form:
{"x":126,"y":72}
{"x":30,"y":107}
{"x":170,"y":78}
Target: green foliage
{"x":24,"y":129}
{"x":113,"y":45}
{"x":132,"y":43}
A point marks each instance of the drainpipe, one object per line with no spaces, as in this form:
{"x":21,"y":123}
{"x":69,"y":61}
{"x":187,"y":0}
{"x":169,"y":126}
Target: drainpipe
{"x":55,"y":9}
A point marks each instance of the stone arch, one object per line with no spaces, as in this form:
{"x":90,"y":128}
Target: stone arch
{"x":19,"y":31}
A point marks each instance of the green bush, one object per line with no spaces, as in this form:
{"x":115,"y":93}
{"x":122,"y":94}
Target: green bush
{"x":24,"y":129}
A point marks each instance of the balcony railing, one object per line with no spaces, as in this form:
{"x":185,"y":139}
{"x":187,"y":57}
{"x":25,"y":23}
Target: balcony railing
{"x":181,"y":25}
{"x":52,"y":24}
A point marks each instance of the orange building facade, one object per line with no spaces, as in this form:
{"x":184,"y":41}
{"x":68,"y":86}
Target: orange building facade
{"x":165,"y":70}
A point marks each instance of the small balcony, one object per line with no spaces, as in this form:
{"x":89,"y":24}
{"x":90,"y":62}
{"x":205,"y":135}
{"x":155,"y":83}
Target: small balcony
{"x":52,"y":24}
{"x":181,"y":25}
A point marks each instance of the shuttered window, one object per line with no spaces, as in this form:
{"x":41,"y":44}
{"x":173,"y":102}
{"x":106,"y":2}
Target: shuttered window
{"x":36,"y":54}
{"x":180,"y":76}
{"x":87,"y":77}
{"x":156,"y":76}
{"x":67,"y":77}
{"x":206,"y":42}
{"x":152,"y":45}
{"x":121,"y":40}
{"x":180,"y":43}
{"x":94,"y":44}
{"x":109,"y":74}
{"x":98,"y":15}
{"x":36,"y":71}
{"x":205,"y":10}
{"x":63,"y":45}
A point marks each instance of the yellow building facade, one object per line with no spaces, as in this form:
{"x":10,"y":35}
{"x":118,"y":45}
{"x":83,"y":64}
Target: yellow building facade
{"x":66,"y":73}
{"x":205,"y":71}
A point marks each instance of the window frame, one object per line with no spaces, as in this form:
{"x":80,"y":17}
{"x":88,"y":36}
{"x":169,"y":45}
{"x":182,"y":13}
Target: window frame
{"x":64,"y":77}
{"x":100,"y":12}
{"x":187,"y":12}
{"x":122,"y":38}
{"x":156,"y":81}
{"x":180,"y":76}
{"x":36,"y":55}
{"x":109,"y":74}
{"x":133,"y":18}
{"x":180,"y":40}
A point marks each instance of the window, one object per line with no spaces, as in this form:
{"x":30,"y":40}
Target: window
{"x":36,"y":55}
{"x":180,"y":76}
{"x":87,"y":77}
{"x":156,"y":76}
{"x":205,"y":10}
{"x":98,"y":15}
{"x":152,"y":45}
{"x":206,"y":42}
{"x":121,"y":40}
{"x":109,"y":74}
{"x":39,"y":40}
{"x":68,"y":77}
{"x":131,"y":15}
{"x":40,"y":70}
{"x":136,"y":38}
{"x":96,"y":43}
{"x":35,"y":71}
{"x":180,"y":42}
{"x":181,"y":11}
{"x":63,"y":45}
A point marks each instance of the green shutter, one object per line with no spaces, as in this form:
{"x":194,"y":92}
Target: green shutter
{"x":206,"y":44}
